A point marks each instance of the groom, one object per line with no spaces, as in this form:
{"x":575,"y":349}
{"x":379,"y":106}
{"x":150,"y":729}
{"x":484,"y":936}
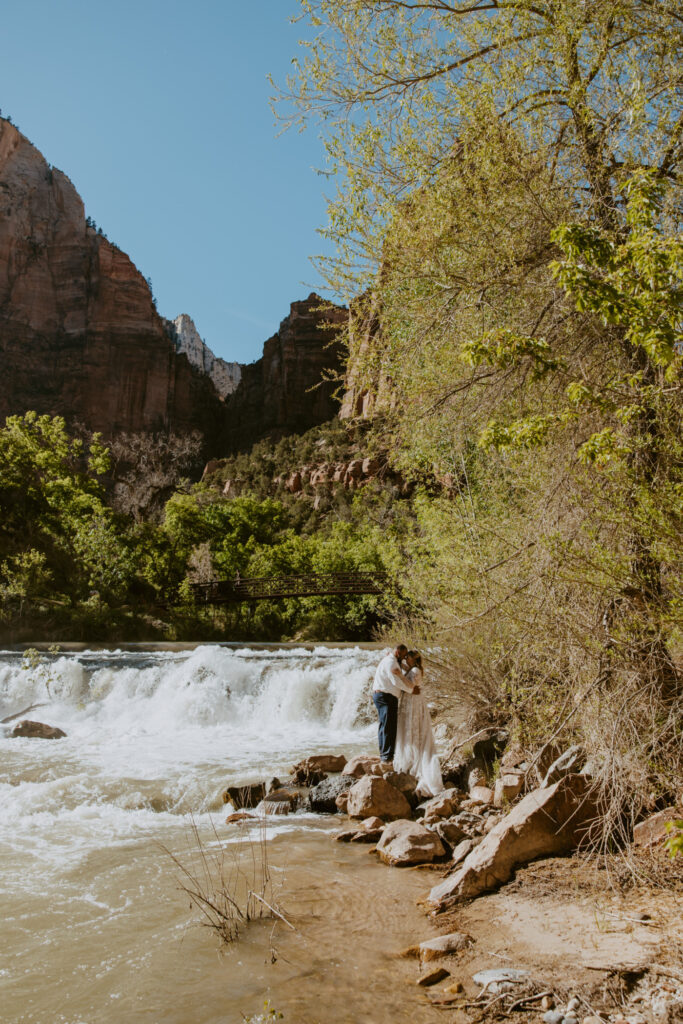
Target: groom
{"x":389,"y":683}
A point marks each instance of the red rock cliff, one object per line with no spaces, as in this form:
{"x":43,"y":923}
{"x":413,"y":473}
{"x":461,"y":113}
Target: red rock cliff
{"x":79,"y":333}
{"x":277,"y":395}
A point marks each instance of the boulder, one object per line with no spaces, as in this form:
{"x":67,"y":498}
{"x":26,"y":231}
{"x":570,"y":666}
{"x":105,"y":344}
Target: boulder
{"x":441,"y":806}
{"x":37,"y":730}
{"x":444,"y":945}
{"x":481,"y":795}
{"x":572,"y":760}
{"x":306,"y":774}
{"x":547,"y":821}
{"x":249,"y":795}
{"x":408,"y":842}
{"x":323,"y":797}
{"x":321,"y":762}
{"x":508,"y":787}
{"x":373,"y":796}
{"x":405,"y":783}
{"x":448,"y":831}
{"x":653,"y":830}
{"x":359,"y":766}
{"x":342,"y":802}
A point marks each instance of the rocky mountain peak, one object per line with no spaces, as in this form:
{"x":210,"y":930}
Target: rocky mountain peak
{"x":225,"y":376}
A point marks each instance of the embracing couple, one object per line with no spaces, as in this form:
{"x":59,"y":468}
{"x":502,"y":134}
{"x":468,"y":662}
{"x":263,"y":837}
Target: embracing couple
{"x":406,"y":741}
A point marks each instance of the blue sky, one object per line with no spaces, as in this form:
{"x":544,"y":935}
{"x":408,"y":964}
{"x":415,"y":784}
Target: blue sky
{"x":159,"y":113}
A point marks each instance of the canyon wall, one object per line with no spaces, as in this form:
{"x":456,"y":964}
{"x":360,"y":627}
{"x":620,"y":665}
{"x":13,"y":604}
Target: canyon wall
{"x":80,"y":335}
{"x":284,"y":392}
{"x":79,"y":332}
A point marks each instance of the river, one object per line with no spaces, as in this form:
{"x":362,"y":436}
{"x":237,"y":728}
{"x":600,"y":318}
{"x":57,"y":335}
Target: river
{"x":95,"y":927}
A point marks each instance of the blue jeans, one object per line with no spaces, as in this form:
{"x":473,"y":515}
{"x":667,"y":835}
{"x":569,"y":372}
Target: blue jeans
{"x":387,"y":709}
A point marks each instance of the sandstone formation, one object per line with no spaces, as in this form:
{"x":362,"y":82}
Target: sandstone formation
{"x":80,"y":335}
{"x":79,"y":332}
{"x":283,"y":392}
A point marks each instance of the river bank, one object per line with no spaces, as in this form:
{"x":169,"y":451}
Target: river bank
{"x":96,"y":927}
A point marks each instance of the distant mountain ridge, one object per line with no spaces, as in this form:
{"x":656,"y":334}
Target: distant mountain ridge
{"x":80,"y":335}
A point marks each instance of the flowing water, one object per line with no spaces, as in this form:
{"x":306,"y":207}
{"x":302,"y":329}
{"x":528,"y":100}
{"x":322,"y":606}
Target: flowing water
{"x":94,"y":925}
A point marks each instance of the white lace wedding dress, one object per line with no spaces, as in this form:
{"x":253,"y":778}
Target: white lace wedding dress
{"x":415,"y":750}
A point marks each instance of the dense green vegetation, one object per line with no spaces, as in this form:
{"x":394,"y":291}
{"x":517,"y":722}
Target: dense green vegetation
{"x":72,"y":567}
{"x":508,"y":210}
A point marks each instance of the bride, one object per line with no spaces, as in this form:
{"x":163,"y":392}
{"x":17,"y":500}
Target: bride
{"x":415,"y":748}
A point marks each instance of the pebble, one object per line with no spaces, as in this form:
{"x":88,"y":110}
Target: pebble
{"x":553,"y":1017}
{"x":455,"y":988}
{"x":573,"y":1005}
{"x":547,"y":1003}
{"x":433,"y":977}
{"x":570,"y":1018}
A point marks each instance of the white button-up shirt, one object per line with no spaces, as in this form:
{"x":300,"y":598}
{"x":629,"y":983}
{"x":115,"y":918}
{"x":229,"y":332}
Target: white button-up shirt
{"x":386,"y":681}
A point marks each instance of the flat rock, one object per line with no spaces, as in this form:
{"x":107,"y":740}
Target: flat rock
{"x":37,"y":730}
{"x":432,"y":977}
{"x":359,"y":766}
{"x":547,"y":821}
{"x":375,"y":797}
{"x":323,"y":797}
{"x":323,"y":763}
{"x":444,"y":945}
{"x":408,"y":842}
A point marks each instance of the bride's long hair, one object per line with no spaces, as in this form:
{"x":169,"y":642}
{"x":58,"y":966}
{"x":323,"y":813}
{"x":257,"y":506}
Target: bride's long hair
{"x":417,"y":658}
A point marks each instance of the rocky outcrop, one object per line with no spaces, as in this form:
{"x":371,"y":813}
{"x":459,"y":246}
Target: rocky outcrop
{"x":283,"y":392}
{"x":547,"y":821}
{"x":79,"y":332}
{"x":225,"y":376}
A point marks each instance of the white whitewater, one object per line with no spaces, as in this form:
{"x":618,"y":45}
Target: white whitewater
{"x":90,"y":909}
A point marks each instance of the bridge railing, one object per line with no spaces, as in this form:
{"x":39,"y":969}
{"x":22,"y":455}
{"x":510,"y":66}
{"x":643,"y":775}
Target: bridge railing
{"x":260,"y":588}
